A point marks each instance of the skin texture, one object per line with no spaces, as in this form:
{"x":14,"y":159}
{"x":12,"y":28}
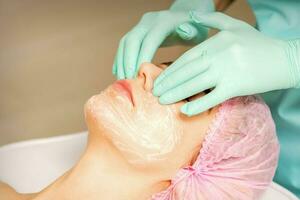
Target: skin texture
{"x":105,"y":168}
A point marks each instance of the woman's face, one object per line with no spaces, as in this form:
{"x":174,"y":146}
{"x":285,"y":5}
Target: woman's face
{"x":144,"y":131}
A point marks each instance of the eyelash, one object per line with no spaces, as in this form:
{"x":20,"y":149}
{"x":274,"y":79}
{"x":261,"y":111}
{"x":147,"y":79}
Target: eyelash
{"x":189,"y":98}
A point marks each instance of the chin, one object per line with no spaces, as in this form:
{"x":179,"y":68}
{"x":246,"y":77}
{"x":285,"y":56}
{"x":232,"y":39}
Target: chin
{"x":145,"y":133}
{"x":91,"y":110}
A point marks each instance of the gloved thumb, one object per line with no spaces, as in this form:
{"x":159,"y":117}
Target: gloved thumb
{"x":216,"y":20}
{"x":187,"y":31}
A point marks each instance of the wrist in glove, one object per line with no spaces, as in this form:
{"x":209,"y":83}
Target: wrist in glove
{"x":293,"y":55}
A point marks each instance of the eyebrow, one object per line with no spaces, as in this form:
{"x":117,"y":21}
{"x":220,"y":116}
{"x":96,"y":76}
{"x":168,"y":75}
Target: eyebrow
{"x":167,"y":63}
{"x":164,"y":65}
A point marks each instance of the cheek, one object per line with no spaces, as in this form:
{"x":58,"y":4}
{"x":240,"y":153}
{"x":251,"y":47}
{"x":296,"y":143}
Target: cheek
{"x":147,"y":133}
{"x":157,"y":127}
{"x":195,"y":129}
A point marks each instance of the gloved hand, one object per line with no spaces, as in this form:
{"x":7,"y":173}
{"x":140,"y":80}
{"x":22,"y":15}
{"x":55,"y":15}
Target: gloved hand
{"x":237,"y":61}
{"x":155,"y":29}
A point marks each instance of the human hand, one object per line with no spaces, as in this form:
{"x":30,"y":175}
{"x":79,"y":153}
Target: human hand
{"x":237,"y":61}
{"x":156,"y":29}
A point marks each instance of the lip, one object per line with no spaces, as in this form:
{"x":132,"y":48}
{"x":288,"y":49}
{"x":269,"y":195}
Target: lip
{"x":124,"y":88}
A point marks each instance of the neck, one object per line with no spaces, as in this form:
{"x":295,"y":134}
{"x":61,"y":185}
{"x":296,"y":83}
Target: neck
{"x":103,"y":173}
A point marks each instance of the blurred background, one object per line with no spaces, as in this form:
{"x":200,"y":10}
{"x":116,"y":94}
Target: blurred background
{"x":55,"y":54}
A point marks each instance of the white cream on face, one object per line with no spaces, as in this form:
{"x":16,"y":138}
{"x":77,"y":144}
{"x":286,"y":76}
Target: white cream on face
{"x":146,"y":132}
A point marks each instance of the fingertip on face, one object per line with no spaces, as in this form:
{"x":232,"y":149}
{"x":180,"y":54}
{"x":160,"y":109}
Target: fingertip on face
{"x":150,"y":72}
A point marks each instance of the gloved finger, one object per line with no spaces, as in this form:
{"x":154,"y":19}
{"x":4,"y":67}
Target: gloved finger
{"x":115,"y":65}
{"x":194,"y":86}
{"x":187,"y":31}
{"x":213,"y":98}
{"x":183,"y":74}
{"x":179,"y":63}
{"x":120,"y":66}
{"x":216,"y":20}
{"x":203,"y":50}
{"x":151,"y":43}
{"x":132,"y":46}
{"x":114,"y":68}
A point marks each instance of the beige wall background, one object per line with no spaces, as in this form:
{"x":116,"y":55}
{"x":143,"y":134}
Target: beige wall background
{"x":55,"y":54}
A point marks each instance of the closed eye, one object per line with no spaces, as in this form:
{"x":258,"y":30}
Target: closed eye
{"x":196,"y":96}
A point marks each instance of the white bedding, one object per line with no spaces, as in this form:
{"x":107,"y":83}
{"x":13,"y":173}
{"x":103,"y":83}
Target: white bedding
{"x":51,"y":157}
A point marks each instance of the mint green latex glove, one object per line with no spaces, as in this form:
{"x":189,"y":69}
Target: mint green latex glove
{"x":155,"y":29}
{"x":237,"y":61}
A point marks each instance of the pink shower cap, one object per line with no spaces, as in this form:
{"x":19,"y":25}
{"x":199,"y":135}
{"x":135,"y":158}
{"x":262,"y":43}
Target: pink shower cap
{"x":238,"y":157}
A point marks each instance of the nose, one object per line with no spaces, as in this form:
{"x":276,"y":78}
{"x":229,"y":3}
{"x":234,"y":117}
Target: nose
{"x":147,"y":74}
